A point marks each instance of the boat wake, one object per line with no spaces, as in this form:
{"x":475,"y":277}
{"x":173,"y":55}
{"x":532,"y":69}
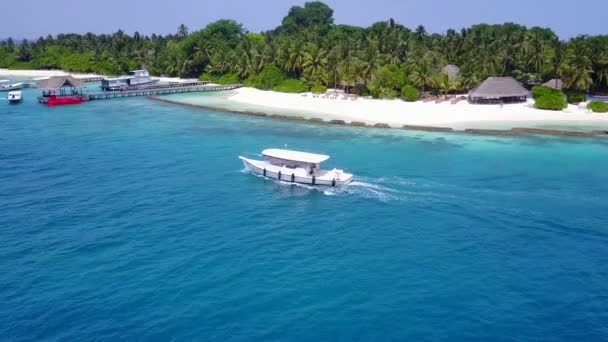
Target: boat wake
{"x":384,"y":189}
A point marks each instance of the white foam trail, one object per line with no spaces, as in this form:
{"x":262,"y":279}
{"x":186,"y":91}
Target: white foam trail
{"x":379,"y":189}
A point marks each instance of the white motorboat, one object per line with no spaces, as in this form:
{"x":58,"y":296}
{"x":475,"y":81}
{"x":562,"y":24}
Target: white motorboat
{"x":6,"y":85}
{"x":135,"y":79}
{"x":15,"y":96}
{"x":140,"y":77}
{"x":296,"y":167}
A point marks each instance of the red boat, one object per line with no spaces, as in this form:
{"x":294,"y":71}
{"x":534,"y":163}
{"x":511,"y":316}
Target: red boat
{"x":53,"y":100}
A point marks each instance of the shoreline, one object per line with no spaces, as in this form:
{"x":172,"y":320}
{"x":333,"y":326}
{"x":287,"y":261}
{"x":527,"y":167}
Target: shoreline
{"x":515,"y":131}
{"x":44,"y":73}
{"x":396,"y":113}
{"x":49,"y":73}
{"x":462,"y":117}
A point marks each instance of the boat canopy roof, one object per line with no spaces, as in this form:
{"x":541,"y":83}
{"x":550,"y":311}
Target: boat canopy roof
{"x":303,"y":157}
{"x":4,"y":81}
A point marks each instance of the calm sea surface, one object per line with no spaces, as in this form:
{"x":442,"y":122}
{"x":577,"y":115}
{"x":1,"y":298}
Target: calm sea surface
{"x":134,"y":220}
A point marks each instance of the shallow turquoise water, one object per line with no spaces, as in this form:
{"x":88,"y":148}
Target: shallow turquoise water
{"x":133,"y":220}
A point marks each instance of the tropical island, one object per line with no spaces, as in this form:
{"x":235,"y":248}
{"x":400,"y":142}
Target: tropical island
{"x":309,"y":54}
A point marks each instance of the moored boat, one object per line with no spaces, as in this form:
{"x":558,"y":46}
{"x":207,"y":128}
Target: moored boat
{"x":6,"y":85}
{"x":135,"y":79}
{"x":296,"y":167}
{"x":140,"y":77}
{"x":15,"y":96}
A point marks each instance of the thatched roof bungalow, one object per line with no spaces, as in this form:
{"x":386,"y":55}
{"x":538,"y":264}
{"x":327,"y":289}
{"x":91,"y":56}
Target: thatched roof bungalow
{"x":59,"y":83}
{"x":499,"y":90}
{"x":555,"y":83}
{"x":59,"y":90}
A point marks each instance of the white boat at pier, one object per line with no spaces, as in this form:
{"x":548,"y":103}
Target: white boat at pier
{"x":135,"y":79}
{"x":6,"y":85}
{"x":296,"y":167}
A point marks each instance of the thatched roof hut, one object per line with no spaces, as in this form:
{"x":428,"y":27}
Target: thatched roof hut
{"x":555,"y":83}
{"x":451,"y":70}
{"x":57,"y":82}
{"x":499,"y":90}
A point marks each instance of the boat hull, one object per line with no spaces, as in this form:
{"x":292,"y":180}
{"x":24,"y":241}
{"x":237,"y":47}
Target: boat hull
{"x":142,"y":83}
{"x":129,"y":86}
{"x":63,"y":101}
{"x":12,"y":87}
{"x":295,"y":175}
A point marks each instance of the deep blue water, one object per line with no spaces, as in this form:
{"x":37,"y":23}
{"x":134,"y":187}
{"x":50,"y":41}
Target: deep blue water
{"x":133,"y":220}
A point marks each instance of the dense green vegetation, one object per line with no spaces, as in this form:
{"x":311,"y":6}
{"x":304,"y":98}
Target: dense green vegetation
{"x":377,"y":60}
{"x":575,"y":97}
{"x":409,"y":93}
{"x":318,"y":89}
{"x":220,"y":79}
{"x":551,"y":102}
{"x":291,"y":85}
{"x":269,"y":78}
{"x":549,"y":98}
{"x":539,"y":91}
{"x":598,"y":106}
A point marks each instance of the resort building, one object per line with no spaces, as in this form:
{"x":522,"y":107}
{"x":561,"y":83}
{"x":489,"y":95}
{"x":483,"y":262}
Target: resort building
{"x":555,"y":83}
{"x":497,"y":90}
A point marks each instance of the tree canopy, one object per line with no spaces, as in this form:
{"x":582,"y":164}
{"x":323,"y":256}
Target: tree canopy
{"x":314,"y":15}
{"x":309,"y":47}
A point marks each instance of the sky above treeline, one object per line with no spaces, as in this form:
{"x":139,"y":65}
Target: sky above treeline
{"x":33,"y":18}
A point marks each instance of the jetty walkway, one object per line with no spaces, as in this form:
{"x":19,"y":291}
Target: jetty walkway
{"x":152,"y":91}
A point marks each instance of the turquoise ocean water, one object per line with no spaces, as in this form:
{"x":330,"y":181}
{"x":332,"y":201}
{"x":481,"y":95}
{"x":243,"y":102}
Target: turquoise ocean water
{"x":134,"y":220}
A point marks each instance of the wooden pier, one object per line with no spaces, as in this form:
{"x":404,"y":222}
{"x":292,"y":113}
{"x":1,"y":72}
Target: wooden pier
{"x":152,"y":91}
{"x":158,"y":90}
{"x":188,"y":83}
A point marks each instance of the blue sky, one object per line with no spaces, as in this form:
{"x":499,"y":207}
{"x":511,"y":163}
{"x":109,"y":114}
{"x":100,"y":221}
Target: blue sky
{"x":32,"y":18}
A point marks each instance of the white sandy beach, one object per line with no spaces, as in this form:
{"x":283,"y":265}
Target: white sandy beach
{"x":397,"y":113}
{"x":4,"y":73}
{"x":35,"y":74}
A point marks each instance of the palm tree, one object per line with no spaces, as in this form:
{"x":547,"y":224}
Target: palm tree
{"x":24,"y":51}
{"x":371,"y":60}
{"x":425,"y":70}
{"x":182,"y":31}
{"x":333,"y":62}
{"x":315,"y":64}
{"x":282,"y":59}
{"x":296,"y":59}
{"x":442,"y":82}
{"x":420,"y":33}
{"x":535,"y":55}
{"x":601,"y":69}
{"x":349,"y":72}
{"x":578,"y":72}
